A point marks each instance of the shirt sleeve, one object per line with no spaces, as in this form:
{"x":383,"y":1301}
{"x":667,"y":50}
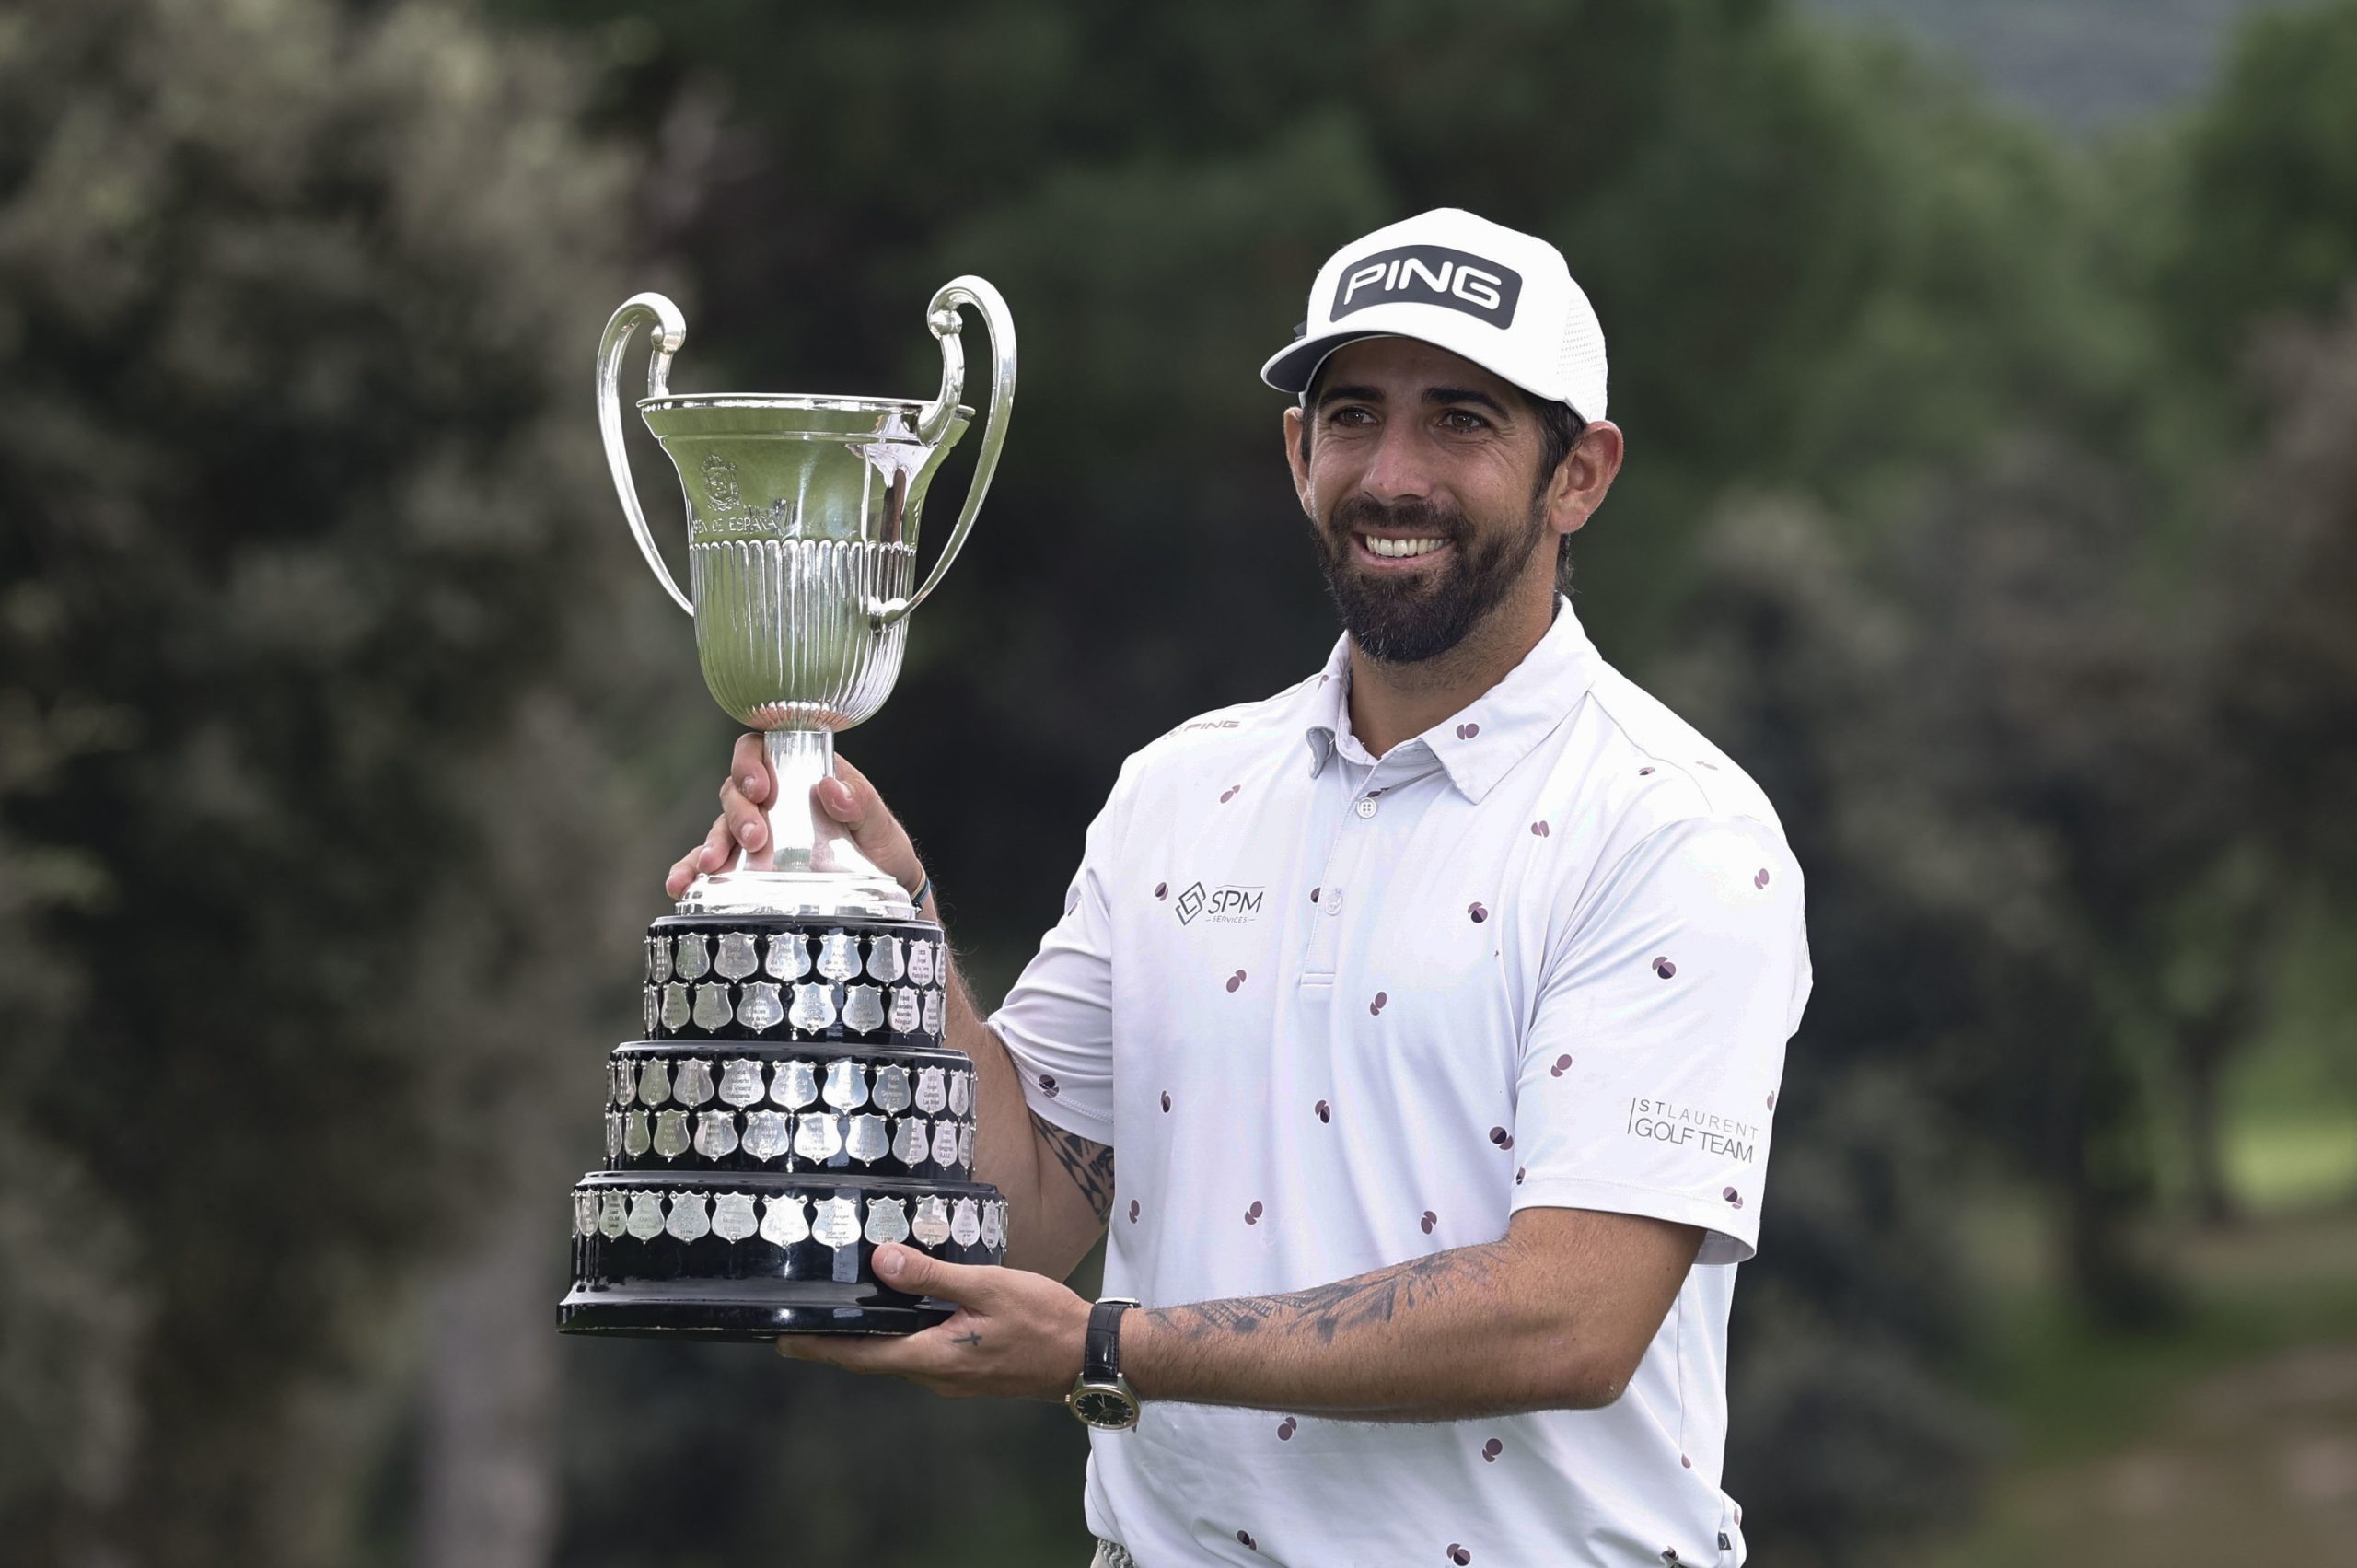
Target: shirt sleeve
{"x":1648,"y":1082}
{"x":1057,"y":1022}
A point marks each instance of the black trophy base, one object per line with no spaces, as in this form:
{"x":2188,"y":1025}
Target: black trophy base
{"x":674,"y":1311}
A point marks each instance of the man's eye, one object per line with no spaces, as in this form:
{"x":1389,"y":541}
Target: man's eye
{"x":1464,"y":422}
{"x":1350,"y":416}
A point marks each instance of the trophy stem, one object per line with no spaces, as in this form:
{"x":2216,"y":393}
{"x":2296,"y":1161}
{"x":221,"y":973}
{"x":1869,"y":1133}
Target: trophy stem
{"x":810,"y":865}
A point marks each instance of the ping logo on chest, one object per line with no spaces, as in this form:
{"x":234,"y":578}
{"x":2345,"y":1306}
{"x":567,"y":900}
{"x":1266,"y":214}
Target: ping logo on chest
{"x":1226,"y":905}
{"x":1430,"y":275}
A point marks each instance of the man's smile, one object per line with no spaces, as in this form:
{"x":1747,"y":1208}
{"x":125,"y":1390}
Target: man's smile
{"x":1396,"y":552}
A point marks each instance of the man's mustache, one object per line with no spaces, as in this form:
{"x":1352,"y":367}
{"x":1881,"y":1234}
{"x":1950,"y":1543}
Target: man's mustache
{"x":1421,"y":517}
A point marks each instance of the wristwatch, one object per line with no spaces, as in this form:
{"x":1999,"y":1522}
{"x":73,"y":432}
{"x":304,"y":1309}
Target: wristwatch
{"x":1100,"y":1396}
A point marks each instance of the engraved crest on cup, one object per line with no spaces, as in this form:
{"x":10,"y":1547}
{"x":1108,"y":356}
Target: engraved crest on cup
{"x":818,"y":1137}
{"x":814,"y":1008}
{"x":736,"y":959}
{"x":933,"y":1090}
{"x":788,"y":958}
{"x":613,"y":1215}
{"x":884,"y":958}
{"x":887,"y":1220}
{"x":784,"y":1221}
{"x":654,"y":1080}
{"x":993,"y":1223}
{"x":891,"y":1093}
{"x":646,"y":1216}
{"x":837,"y":955}
{"x":585,"y":1213}
{"x":966,"y":1223}
{"x":652,"y":1010}
{"x":674,"y":1005}
{"x":732,"y":1217}
{"x":768,"y":1134}
{"x":945,"y":1142}
{"x":695,"y":959}
{"x":793,"y":1084}
{"x":836,"y":1224}
{"x":866,"y":1141}
{"x":759,"y":1007}
{"x":691,"y":1216}
{"x":635,"y":1138}
{"x":712,"y":1007}
{"x":717,"y":1135}
{"x":931,"y":1226}
{"x":921,"y":963}
{"x":659,"y":960}
{"x":863,"y":1008}
{"x":905,"y":1010}
{"x":740,"y":1081}
{"x":613,"y":1134}
{"x":846,"y":1084}
{"x":692,"y":1085}
{"x":620,"y":1081}
{"x":910,"y":1140}
{"x":961,"y":1092}
{"x":965,"y":1143}
{"x":671,"y":1138}
{"x":932,"y":1012}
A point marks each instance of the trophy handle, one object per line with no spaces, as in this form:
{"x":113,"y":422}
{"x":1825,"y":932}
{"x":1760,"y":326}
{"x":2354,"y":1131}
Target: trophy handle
{"x":670,"y":331}
{"x":947,"y":324}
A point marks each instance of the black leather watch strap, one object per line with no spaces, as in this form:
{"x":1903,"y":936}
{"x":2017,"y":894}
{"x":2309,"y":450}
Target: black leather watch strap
{"x":1100,"y":1355}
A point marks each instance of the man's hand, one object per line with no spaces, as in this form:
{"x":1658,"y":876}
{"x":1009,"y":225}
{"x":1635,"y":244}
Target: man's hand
{"x":847,"y":798}
{"x":1016,"y":1335}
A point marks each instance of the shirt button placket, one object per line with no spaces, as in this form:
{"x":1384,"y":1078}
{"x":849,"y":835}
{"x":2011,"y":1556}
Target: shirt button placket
{"x":1342,"y":867}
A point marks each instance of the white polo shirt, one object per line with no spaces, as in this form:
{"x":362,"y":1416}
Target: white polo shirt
{"x":1333,"y":1012}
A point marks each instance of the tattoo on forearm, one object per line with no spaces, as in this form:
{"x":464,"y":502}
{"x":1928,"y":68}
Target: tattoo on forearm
{"x":1090,"y":1166}
{"x":1331,"y":1309}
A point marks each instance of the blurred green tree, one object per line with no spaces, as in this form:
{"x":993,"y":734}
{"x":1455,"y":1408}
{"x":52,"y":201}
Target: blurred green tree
{"x":296,"y":302}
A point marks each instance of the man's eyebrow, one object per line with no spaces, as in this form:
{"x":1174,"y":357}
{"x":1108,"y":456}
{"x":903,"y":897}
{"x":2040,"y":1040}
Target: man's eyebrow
{"x":1438,"y":396}
{"x":1349,"y":394}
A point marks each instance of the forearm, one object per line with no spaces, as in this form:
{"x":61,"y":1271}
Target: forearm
{"x":1058,"y":1187}
{"x":1472,"y":1331}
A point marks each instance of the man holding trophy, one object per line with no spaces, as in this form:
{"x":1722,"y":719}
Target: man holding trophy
{"x":1416,"y":1031}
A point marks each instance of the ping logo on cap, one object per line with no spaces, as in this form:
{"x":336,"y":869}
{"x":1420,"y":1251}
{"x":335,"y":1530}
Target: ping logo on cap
{"x":1430,"y":275}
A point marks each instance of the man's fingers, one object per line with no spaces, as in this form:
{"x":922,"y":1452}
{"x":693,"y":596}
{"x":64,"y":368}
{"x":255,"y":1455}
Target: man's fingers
{"x":749,"y":767}
{"x":892,"y":1356}
{"x":741,"y":821}
{"x":906,"y":1269}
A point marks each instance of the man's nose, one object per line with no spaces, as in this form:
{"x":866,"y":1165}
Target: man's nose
{"x":1397,"y":470}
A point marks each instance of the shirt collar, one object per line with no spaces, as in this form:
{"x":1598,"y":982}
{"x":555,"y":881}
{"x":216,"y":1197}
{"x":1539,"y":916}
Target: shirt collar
{"x":1479,"y":745}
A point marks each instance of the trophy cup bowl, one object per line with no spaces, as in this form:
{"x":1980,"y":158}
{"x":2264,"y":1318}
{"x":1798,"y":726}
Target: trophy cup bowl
{"x":793,"y":1103}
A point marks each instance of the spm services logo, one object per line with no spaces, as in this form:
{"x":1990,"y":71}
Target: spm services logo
{"x":1222,"y":906}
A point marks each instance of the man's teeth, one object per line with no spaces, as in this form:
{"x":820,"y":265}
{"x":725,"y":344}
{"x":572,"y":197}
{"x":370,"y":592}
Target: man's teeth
{"x":1401,"y":546}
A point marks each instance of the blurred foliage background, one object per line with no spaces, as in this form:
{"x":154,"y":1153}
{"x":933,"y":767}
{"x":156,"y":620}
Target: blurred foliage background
{"x":1992,"y":495}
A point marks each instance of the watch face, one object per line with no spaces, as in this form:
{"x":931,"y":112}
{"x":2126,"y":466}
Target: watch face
{"x":1106,"y":1408}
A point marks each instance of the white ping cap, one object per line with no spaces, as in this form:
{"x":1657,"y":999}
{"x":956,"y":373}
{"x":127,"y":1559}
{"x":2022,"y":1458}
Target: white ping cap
{"x":1501,"y":298}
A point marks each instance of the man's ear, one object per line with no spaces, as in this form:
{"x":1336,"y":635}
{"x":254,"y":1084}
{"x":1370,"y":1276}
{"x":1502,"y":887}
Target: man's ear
{"x":1579,"y":481}
{"x":1295,"y":422}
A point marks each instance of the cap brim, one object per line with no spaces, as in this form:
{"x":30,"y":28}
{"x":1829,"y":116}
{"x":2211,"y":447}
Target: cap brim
{"x":1294,"y":366}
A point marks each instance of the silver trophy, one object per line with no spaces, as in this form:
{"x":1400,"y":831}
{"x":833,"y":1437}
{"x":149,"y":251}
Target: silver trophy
{"x":802,"y":541}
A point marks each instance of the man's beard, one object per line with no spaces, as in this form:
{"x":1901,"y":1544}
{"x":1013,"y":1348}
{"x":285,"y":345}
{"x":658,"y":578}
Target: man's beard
{"x":1403,"y":620}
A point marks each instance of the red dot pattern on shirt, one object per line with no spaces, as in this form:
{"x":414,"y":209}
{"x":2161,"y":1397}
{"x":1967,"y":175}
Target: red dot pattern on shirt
{"x":1643,"y":772}
{"x":1381,"y":997}
{"x":1687,"y":1462}
{"x":1478,"y":912}
{"x":1563,"y":1065}
{"x":1772,"y":1099}
{"x":1467,"y":731}
{"x":1246,"y":1536}
{"x":1047,"y":1084}
{"x":1325,"y":1111}
{"x":1430,"y":1220}
{"x":1285,"y":1430}
{"x":1252,"y":1215}
{"x":1162,"y":889}
{"x":1166,"y":1101}
{"x":1732,"y":1196}
{"x":1662,"y":967}
{"x":1762,"y":880}
{"x":1458,"y":1555}
{"x":1539,"y":829}
{"x":1229,"y":794}
{"x":1134,"y":1211}
{"x":1492,"y":1449}
{"x":1501,"y":1137}
{"x":1235,"y":980}
{"x":1517,"y":1176}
